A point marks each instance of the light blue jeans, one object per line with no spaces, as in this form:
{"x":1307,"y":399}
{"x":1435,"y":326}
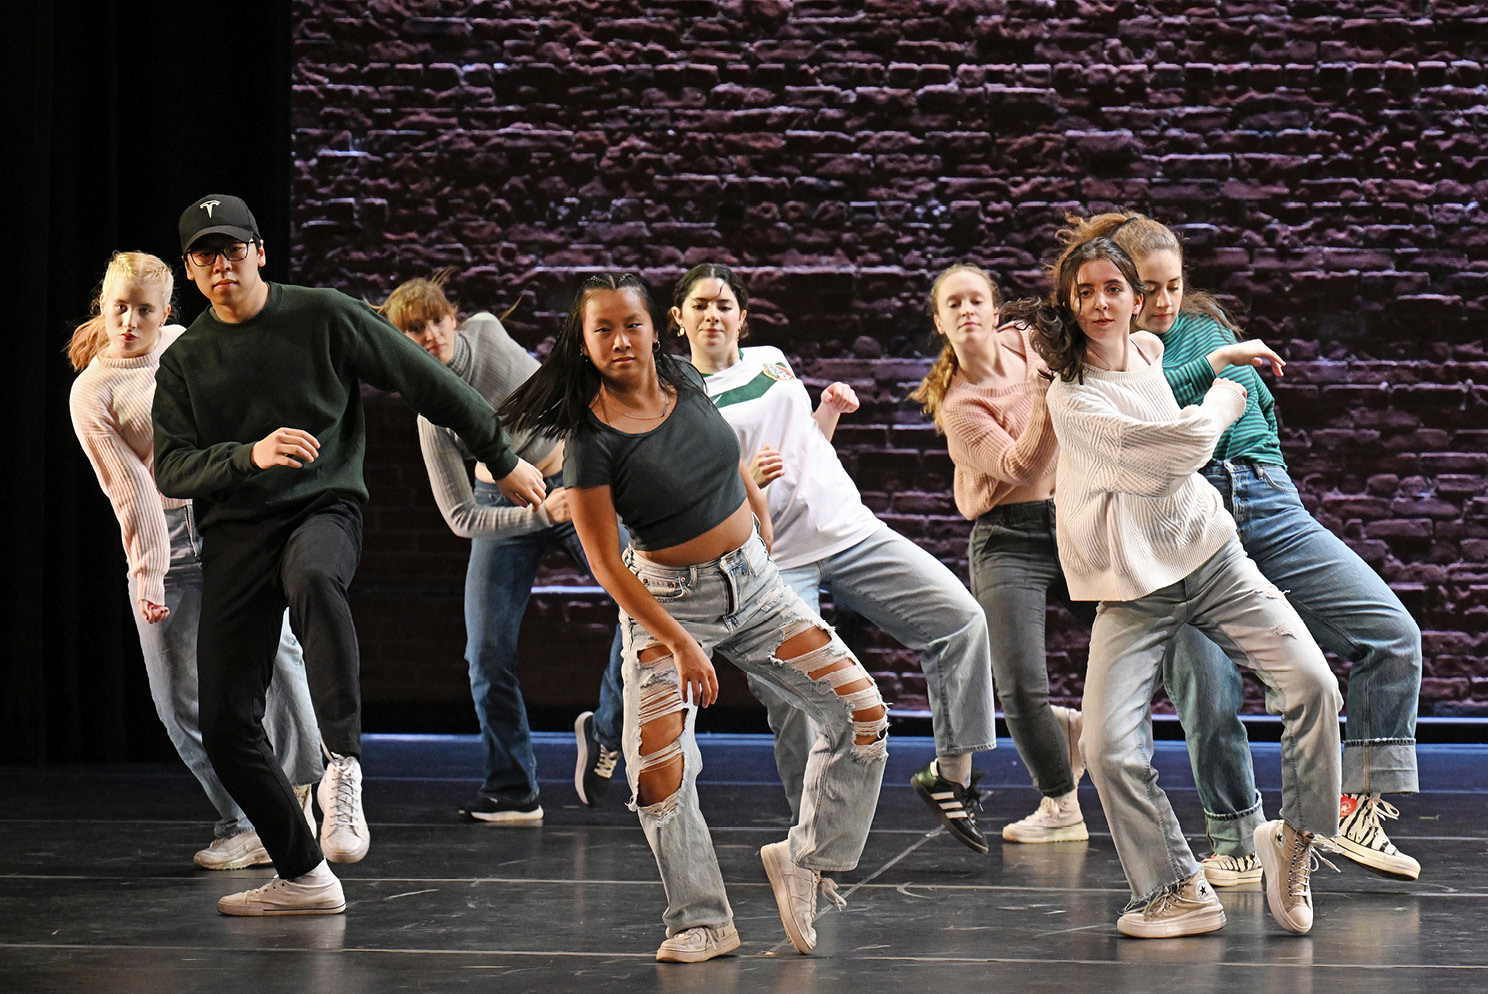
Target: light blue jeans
{"x":1014,"y":562}
{"x":915,"y":600}
{"x":738,"y":606}
{"x":1229,"y":600}
{"x":498,"y":585}
{"x":1348,"y":609}
{"x":169,"y":649}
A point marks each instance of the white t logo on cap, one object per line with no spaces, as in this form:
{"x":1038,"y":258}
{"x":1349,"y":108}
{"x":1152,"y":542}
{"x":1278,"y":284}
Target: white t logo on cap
{"x":207,"y":205}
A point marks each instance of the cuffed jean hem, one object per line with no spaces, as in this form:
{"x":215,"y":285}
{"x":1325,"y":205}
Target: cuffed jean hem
{"x":1380,"y":766}
{"x":1233,"y":834}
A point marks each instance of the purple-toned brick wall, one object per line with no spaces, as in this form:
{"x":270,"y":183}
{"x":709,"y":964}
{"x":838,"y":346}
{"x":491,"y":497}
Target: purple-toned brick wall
{"x":1327,"y":162}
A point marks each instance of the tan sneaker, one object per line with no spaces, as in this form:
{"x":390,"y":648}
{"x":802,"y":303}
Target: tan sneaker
{"x":234,"y":853}
{"x":702,"y":942}
{"x":1188,"y":907}
{"x":795,"y":890}
{"x":1058,"y":819}
{"x":285,"y":897}
{"x":1072,"y":723}
{"x":1288,"y":858}
{"x":305,"y":794}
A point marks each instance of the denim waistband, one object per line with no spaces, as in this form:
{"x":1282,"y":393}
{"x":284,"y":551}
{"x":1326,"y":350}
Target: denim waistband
{"x":1033,"y":512}
{"x":750,"y":554}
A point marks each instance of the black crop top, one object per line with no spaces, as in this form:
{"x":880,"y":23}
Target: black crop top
{"x":670,"y":484}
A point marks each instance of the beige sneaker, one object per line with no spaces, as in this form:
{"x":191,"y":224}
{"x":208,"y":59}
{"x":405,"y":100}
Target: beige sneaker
{"x":795,"y":890}
{"x":694,"y":945}
{"x":1058,"y":819}
{"x":285,"y":897}
{"x":1072,"y":723}
{"x":1288,"y":858}
{"x":305,"y":794}
{"x":1188,"y":907}
{"x":234,"y":853}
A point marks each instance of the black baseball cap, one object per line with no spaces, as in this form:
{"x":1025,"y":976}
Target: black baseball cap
{"x":217,"y":213}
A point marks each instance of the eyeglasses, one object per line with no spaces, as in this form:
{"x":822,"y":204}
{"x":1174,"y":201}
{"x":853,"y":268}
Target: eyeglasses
{"x":232,"y":252}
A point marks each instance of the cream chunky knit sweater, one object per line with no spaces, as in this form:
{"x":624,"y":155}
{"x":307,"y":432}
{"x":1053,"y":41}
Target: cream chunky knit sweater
{"x":1133,"y":514}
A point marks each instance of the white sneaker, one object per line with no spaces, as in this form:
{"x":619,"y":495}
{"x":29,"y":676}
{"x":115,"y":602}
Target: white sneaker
{"x":285,"y":897}
{"x":343,"y":834}
{"x":233,"y":853}
{"x":1186,"y":908}
{"x":694,"y":945}
{"x":1072,"y":723}
{"x":1058,"y":819}
{"x":1223,"y":870}
{"x":1288,"y":858}
{"x":305,"y":794}
{"x":795,"y":890}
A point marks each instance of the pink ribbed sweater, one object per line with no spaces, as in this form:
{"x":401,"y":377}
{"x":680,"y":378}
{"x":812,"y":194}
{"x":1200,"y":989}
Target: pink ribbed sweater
{"x":110,"y":404}
{"x":999,"y":437}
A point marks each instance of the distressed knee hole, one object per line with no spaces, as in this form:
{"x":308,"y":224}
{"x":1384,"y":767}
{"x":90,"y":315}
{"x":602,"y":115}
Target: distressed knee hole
{"x":660,"y":775}
{"x":814,"y":653}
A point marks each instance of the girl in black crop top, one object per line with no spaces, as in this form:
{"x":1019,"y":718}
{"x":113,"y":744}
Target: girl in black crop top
{"x":645,"y":444}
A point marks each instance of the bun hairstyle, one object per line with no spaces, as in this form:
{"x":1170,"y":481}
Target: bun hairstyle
{"x":142,"y":269}
{"x":1140,"y":236}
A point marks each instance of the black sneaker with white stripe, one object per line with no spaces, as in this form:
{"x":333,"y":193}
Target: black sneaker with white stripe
{"x":953,"y":803}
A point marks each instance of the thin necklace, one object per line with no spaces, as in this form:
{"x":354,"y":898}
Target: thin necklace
{"x":666,"y":402}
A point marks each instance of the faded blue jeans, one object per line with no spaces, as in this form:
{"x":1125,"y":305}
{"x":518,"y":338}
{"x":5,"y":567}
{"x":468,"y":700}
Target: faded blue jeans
{"x":1014,"y":562}
{"x":915,"y":600}
{"x":169,"y":649}
{"x":738,"y":606}
{"x":1229,"y":600}
{"x":1349,"y":610}
{"x":498,"y":585}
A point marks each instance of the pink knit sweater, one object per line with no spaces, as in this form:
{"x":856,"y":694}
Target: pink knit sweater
{"x":110,"y":404}
{"x":999,"y":437}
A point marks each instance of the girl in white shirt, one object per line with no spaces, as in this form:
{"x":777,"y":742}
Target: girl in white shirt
{"x":1144,"y":534}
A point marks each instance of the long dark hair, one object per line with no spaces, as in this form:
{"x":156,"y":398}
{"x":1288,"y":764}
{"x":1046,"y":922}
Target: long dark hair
{"x":1056,"y":332}
{"x":555,"y":400}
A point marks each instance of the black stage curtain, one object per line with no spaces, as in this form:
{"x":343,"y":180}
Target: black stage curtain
{"x":120,"y":115}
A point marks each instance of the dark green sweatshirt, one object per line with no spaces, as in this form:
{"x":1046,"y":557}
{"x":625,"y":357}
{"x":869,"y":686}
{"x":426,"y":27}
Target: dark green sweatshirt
{"x":298,"y":363}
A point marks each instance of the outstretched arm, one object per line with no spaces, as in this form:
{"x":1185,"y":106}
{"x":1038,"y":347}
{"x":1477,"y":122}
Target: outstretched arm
{"x":836,"y":400}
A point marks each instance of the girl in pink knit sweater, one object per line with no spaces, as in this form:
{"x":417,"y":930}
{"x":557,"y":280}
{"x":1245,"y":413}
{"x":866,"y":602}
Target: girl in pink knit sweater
{"x":117,"y":352}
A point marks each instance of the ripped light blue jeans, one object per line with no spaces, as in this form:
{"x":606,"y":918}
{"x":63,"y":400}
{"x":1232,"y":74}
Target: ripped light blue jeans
{"x":1349,"y":610}
{"x":169,"y":649}
{"x":1229,"y":600}
{"x":738,"y":606}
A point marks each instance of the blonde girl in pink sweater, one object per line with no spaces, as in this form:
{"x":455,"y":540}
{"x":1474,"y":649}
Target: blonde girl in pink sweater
{"x":116,"y":352}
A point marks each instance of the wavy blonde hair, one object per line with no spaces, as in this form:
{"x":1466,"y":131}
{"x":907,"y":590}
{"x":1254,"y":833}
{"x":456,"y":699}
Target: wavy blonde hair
{"x":930,"y":394}
{"x":90,"y":338}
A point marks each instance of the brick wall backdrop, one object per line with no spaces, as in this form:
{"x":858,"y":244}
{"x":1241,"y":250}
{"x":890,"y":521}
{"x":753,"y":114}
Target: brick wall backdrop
{"x":1326,"y":162}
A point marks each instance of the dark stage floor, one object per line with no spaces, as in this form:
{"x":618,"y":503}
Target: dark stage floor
{"x":97,"y":893}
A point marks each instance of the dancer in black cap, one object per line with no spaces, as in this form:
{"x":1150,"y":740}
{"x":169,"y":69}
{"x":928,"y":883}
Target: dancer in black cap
{"x":258,"y":418}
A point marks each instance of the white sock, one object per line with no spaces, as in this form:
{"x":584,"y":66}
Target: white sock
{"x":955,"y":768}
{"x":320,"y":875}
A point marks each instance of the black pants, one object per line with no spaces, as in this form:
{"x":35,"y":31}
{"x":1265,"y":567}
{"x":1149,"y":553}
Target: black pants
{"x":304,"y":559}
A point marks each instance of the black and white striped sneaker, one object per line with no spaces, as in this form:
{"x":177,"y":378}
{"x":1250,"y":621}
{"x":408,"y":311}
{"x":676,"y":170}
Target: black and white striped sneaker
{"x":953,"y":803}
{"x":1361,"y":836}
